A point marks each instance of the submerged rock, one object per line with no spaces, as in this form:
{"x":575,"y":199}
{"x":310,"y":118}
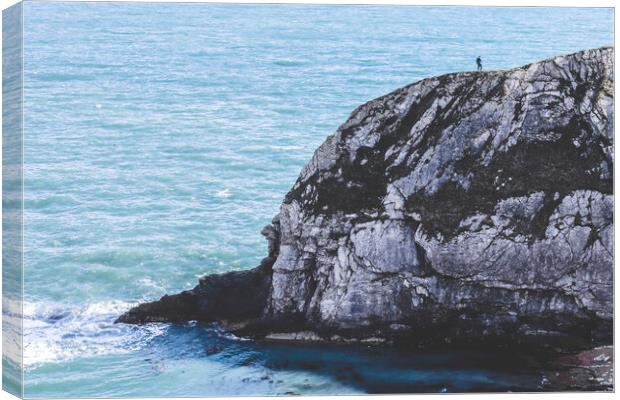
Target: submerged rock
{"x":473,"y":207}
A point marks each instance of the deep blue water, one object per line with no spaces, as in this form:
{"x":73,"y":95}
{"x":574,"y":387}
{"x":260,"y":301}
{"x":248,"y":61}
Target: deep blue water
{"x":161,"y":138}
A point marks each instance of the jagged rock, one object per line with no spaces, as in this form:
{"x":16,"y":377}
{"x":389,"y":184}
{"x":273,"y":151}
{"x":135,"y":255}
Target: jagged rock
{"x":234,"y":296}
{"x":469,"y":207}
{"x":585,"y":370}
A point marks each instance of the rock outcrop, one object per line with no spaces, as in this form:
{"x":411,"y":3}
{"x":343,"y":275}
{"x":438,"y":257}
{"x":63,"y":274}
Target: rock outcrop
{"x":469,"y":207}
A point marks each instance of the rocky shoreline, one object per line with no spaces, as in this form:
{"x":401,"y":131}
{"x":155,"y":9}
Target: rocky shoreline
{"x":465,"y":209}
{"x":586,"y":370}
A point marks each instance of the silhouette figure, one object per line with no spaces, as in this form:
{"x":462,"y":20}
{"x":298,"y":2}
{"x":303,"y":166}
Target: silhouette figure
{"x":479,"y":63}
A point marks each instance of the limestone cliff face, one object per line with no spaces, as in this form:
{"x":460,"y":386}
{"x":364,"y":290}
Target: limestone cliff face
{"x":462,"y":207}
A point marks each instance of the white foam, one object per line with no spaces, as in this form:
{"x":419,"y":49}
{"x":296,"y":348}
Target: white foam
{"x":148,"y":282}
{"x":285,"y":147}
{"x":54,"y":332}
{"x":227,"y":335}
{"x":223,"y":193}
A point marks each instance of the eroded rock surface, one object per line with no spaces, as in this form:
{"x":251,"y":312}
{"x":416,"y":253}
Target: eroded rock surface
{"x":467,"y":207}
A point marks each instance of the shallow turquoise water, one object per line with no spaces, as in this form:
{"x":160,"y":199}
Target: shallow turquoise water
{"x":161,"y":138}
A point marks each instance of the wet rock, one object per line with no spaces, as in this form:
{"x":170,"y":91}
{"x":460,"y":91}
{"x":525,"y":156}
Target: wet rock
{"x":233,"y":298}
{"x":304,"y":336}
{"x":586,"y":370}
{"x":213,"y":349}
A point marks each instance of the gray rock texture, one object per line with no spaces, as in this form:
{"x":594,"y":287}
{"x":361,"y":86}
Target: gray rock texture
{"x":474,"y":206}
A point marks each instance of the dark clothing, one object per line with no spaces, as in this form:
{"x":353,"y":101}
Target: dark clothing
{"x":479,"y":63}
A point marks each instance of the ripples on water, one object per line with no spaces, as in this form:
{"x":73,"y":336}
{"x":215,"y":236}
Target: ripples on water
{"x":160,"y":139}
{"x":77,"y":348}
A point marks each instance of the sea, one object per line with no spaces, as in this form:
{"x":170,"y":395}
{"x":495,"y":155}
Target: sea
{"x":160,"y":138}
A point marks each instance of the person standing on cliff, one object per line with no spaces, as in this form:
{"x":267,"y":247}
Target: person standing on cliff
{"x":479,"y":63}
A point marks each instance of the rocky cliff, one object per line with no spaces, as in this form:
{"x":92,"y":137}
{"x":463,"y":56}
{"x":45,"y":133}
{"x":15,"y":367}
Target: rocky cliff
{"x":469,"y":207}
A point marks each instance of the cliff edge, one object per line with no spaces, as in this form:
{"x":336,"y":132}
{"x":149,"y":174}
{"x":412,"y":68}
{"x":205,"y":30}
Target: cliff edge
{"x":470,"y":207}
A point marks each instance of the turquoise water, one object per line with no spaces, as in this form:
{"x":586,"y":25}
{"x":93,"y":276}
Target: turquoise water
{"x":161,"y":138}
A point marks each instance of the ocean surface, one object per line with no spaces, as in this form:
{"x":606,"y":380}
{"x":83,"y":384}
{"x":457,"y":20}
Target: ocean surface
{"x":160,"y":139}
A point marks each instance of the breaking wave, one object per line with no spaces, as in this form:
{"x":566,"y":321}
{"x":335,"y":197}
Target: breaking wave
{"x":57,"y":332}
